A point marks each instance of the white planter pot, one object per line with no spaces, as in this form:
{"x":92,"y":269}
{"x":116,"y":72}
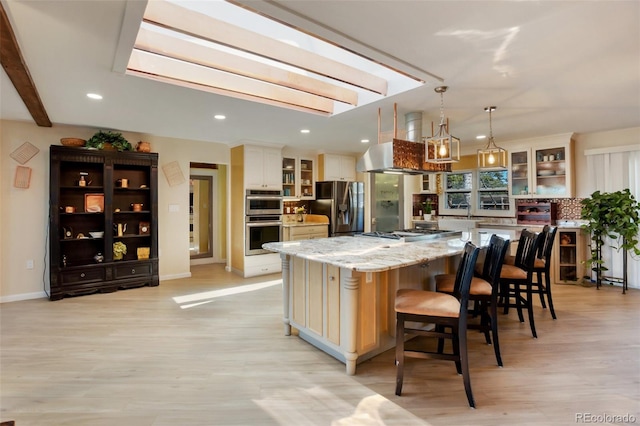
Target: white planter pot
{"x":427,"y":216}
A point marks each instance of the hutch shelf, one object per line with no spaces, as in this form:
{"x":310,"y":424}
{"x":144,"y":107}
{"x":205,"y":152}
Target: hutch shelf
{"x":98,"y":199}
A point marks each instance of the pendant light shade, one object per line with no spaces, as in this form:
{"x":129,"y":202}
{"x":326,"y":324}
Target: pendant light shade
{"x":442,"y":147}
{"x":491,"y":156}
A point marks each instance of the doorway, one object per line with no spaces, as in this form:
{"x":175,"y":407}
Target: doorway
{"x":207,"y":213}
{"x":200,"y":216}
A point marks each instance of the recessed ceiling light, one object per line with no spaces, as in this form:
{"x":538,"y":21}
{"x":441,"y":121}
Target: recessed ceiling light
{"x":481,"y":137}
{"x":219,"y":117}
{"x":94,"y":96}
{"x":305,"y":131}
{"x":365,"y":141}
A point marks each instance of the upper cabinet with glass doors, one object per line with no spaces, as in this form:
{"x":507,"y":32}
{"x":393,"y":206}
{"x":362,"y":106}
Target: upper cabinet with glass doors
{"x":544,"y":169}
{"x":298,"y":178}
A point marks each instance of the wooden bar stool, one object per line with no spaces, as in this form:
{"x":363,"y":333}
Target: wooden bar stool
{"x":483,"y":291}
{"x":516,"y":281}
{"x":542,"y":265}
{"x":445,"y":311}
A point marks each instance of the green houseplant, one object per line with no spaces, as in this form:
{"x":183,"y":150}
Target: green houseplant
{"x":428,"y":208}
{"x":119,"y":250}
{"x":615,"y":215}
{"x":103,"y":140}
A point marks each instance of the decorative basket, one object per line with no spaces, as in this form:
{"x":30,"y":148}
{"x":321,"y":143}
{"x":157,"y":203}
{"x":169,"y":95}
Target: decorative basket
{"x":143,"y":147}
{"x":72,"y":142}
{"x":143,"y":253}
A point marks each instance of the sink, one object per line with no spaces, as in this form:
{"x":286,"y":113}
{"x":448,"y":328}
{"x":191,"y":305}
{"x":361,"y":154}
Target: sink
{"x":457,"y":224}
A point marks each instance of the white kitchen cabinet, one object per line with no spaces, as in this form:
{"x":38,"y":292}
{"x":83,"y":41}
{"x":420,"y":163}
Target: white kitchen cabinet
{"x":428,"y":183}
{"x":262,"y":167}
{"x":337,"y":167}
{"x":298,"y":178}
{"x":543,"y":168}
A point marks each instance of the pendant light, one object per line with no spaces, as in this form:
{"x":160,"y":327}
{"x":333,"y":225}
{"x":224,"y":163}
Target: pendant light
{"x":491,"y":156}
{"x":442,"y":147}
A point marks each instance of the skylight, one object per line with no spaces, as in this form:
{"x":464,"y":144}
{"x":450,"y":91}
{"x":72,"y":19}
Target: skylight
{"x":218,"y":47}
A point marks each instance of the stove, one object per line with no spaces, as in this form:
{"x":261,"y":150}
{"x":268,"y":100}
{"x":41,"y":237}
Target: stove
{"x":409,"y":235}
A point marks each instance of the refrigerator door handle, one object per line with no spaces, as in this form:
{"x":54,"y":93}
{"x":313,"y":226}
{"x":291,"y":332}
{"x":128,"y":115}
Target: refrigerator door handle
{"x":333,"y":218}
{"x":351,"y":219}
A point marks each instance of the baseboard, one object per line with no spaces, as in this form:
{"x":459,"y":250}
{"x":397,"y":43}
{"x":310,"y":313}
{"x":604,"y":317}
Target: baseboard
{"x":42,"y":294}
{"x":23,"y":296}
{"x":175,"y":276}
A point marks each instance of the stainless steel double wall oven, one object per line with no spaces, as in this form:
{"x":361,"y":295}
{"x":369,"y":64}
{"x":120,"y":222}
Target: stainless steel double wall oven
{"x":263,"y":220}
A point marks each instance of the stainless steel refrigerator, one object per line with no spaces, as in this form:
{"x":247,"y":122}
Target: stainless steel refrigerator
{"x":343,"y":203}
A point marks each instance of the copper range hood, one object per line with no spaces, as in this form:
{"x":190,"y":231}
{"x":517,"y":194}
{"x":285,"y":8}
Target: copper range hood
{"x":400,"y":156}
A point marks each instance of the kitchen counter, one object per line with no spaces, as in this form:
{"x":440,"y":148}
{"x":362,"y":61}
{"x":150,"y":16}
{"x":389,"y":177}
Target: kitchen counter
{"x":370,"y":254}
{"x":366,"y":254}
{"x":291,"y":220}
{"x":338,"y":293}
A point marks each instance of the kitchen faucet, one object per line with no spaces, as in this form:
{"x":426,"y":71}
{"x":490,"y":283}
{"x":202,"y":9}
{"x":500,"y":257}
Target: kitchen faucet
{"x":466,"y":203}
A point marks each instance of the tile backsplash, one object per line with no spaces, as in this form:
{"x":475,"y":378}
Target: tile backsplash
{"x":569,"y":208}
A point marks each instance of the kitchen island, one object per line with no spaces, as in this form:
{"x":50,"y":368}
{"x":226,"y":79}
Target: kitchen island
{"x":338,"y":293}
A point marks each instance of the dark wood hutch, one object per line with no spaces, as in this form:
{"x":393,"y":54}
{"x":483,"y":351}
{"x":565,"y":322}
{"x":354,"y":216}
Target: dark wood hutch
{"x":93,"y":191}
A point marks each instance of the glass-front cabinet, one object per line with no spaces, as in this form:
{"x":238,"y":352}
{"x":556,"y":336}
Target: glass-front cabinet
{"x":289,"y":177}
{"x":571,"y":251}
{"x":298,"y":180}
{"x":428,"y":183}
{"x":543,"y":169}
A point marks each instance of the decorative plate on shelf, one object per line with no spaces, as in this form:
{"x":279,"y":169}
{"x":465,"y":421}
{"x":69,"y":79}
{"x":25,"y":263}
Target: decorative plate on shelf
{"x":546,"y":172}
{"x":93,"y":203}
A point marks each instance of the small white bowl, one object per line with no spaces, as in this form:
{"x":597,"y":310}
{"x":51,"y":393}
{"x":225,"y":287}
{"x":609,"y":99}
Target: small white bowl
{"x":97,"y":234}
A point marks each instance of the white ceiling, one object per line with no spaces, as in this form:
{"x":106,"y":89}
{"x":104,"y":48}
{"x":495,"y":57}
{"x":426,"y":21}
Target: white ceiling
{"x":549,"y":66}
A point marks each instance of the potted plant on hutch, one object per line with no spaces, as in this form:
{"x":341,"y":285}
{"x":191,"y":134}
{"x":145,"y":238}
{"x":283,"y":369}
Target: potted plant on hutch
{"x":119,"y":250}
{"x":109,"y":140}
{"x":428,"y":208}
{"x":615,"y":215}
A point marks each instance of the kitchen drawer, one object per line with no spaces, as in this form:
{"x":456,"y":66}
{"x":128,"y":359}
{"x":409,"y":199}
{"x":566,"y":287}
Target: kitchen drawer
{"x":308,"y":232}
{"x":131,"y":270}
{"x":255,"y":270}
{"x":83,"y":276}
{"x":318,"y":231}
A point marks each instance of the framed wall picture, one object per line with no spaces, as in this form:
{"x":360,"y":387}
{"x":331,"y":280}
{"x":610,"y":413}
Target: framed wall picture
{"x":144,"y":228}
{"x":22,"y":177}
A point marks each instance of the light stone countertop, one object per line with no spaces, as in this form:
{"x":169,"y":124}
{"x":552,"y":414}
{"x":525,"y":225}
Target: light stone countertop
{"x":369,"y":254}
{"x":291,"y":220}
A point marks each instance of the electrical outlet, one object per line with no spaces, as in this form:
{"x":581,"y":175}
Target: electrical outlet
{"x":30,"y":264}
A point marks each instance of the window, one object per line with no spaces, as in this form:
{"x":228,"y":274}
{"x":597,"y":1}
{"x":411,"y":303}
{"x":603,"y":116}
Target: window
{"x":477,"y":192}
{"x":458,"y":191}
{"x":493,"y":190}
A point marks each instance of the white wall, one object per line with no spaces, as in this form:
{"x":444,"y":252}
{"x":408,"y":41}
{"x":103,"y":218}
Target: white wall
{"x":608,"y":139}
{"x":24,"y":212}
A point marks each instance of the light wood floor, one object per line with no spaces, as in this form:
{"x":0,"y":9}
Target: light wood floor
{"x":155,"y":356}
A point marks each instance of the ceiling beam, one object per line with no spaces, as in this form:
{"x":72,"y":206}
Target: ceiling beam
{"x":17,"y":70}
{"x":177,"y":18}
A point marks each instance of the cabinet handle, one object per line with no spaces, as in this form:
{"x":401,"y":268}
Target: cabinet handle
{"x":82,"y":275}
{"x":332,"y":278}
{"x":133,"y":271}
